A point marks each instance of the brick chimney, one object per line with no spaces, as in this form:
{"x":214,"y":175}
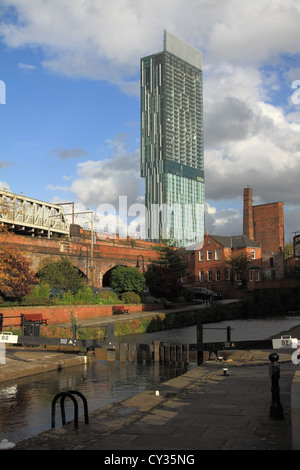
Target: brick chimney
{"x":248,"y":228}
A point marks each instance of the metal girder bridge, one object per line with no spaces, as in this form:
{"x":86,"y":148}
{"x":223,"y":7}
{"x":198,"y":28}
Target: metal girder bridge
{"x":32,"y":217}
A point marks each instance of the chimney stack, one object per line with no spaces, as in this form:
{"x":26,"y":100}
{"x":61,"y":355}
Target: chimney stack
{"x":248,"y":228}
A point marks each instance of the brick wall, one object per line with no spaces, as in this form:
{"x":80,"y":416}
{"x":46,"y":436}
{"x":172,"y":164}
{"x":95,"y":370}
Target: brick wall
{"x":61,"y":314}
{"x":268,"y":223}
{"x":211,"y":265}
{"x":264,"y":223}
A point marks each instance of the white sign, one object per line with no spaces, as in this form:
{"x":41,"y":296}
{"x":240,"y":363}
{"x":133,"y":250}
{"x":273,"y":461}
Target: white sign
{"x":2,"y":353}
{"x":285,"y":342}
{"x":8,"y":337}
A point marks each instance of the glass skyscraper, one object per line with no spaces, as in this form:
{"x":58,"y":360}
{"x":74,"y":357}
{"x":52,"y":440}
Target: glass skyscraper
{"x":172,"y":156}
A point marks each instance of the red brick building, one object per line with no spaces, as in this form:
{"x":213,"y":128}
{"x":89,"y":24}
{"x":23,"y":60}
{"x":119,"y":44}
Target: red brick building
{"x":265,"y":224}
{"x":262,"y":243}
{"x":211,"y":265}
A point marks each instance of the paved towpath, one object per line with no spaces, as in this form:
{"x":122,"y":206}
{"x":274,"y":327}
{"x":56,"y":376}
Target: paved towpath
{"x":200,"y":410}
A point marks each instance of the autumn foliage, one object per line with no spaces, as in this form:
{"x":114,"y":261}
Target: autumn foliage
{"x":16,"y":277}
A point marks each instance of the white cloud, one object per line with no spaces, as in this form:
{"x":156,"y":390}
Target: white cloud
{"x":26,"y":66}
{"x":4,"y":186}
{"x":104,"y":40}
{"x":104,"y":181}
{"x":222,"y":222}
{"x":250,"y":57}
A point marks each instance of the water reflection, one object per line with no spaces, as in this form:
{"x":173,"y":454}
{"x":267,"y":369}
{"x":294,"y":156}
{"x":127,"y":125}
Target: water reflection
{"x":25,"y":405}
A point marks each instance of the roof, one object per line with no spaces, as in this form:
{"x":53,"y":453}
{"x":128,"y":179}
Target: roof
{"x":237,"y":241}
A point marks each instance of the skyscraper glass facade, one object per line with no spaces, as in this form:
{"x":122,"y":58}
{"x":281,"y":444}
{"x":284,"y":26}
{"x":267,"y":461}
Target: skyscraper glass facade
{"x":172,"y":156}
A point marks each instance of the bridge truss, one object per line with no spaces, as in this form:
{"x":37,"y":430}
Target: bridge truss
{"x":32,"y":217}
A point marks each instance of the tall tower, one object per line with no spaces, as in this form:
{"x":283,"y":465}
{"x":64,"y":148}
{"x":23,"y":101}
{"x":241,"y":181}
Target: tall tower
{"x":172,"y":156}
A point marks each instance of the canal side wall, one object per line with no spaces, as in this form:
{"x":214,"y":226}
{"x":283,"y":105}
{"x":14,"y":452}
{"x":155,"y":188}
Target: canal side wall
{"x":60,"y":314}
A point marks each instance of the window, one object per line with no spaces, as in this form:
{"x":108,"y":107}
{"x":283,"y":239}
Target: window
{"x":217,"y":255}
{"x":209,"y":276}
{"x":228,"y":274}
{"x":251,"y":277}
{"x":201,"y":276}
{"x":200,"y":255}
{"x":218,"y":275}
{"x":208,"y":255}
{"x":253,"y":254}
{"x":271,"y":262}
{"x":257,"y":275}
{"x":238,"y":276}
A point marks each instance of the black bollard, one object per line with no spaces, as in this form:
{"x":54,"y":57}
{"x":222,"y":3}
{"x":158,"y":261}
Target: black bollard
{"x":199,"y":343}
{"x":276,"y":411}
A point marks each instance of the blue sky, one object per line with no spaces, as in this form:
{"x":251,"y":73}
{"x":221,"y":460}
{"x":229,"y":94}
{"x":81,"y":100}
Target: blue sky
{"x":69,"y":128}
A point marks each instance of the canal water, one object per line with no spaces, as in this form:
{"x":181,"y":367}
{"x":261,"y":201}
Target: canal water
{"x":25,"y":404}
{"x":241,"y":330}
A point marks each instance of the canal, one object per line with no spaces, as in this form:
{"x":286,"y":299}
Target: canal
{"x":25,"y":404}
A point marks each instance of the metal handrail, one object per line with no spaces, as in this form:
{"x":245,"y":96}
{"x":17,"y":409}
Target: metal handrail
{"x":63,"y":396}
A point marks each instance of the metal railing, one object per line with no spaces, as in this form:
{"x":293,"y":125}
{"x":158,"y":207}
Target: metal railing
{"x":63,"y":396}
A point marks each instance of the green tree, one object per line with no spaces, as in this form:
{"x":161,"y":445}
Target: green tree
{"x":238,"y":263}
{"x":162,"y":281}
{"x":163,"y":276}
{"x":171,"y":257}
{"x":288,"y":250}
{"x":126,"y":279}
{"x":62,"y":275}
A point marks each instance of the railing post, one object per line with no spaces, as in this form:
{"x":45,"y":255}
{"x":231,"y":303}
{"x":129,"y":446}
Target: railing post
{"x":276,"y":411}
{"x":74,"y":329}
{"x":199,"y":342}
{"x":228,"y":328}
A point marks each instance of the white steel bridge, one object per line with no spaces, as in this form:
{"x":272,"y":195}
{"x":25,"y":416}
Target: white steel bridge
{"x":32,"y":217}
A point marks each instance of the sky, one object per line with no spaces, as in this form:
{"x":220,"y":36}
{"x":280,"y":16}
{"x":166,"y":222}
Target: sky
{"x":70,"y":101}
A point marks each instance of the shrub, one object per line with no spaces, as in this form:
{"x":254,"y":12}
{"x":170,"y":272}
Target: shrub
{"x":107,"y":297}
{"x":85,"y":295}
{"x":188,"y":293}
{"x":39,"y":295}
{"x":62,"y":275}
{"x":126,"y":279}
{"x":130,"y":298}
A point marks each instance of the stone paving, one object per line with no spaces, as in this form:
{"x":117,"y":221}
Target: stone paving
{"x":200,"y":410}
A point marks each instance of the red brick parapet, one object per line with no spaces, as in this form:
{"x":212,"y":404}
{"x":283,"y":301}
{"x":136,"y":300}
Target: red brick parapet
{"x":61,"y":314}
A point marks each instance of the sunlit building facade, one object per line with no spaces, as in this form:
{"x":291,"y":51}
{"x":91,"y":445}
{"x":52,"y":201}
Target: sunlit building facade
{"x":172,"y":156}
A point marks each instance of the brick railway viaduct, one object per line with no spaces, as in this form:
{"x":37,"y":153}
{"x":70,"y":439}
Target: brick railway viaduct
{"x":94,"y":258}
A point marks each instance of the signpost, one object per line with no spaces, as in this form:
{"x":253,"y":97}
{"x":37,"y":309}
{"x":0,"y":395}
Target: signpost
{"x":286,"y":341}
{"x":8,"y":337}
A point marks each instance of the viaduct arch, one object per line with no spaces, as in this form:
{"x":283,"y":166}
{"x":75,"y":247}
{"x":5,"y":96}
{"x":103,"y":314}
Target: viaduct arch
{"x":94,"y":261}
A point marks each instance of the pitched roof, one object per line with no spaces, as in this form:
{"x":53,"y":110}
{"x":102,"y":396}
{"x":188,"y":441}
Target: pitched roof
{"x":237,"y":241}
